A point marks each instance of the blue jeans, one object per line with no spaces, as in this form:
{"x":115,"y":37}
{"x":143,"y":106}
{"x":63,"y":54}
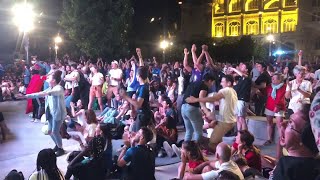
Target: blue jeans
{"x":54,"y":127}
{"x":193,"y":121}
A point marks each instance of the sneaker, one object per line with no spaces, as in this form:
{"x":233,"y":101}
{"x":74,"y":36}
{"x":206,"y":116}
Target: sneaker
{"x":168,"y":149}
{"x":36,"y":120}
{"x":60,"y":152}
{"x":161,"y":153}
{"x":32,"y":120}
{"x":176,"y":150}
{"x":55,"y":149}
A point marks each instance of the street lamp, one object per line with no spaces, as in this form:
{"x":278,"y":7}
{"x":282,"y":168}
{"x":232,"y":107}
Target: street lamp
{"x":164,"y":45}
{"x":57,"y":40}
{"x":23,"y":18}
{"x":270,"y":38}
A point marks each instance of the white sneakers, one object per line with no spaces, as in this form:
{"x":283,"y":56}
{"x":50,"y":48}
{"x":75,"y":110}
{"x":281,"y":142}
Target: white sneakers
{"x":171,"y":150}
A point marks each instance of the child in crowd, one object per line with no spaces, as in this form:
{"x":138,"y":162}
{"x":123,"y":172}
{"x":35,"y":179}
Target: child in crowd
{"x":191,"y":154}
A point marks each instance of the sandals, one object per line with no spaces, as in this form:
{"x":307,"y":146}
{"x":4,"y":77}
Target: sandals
{"x":268,"y":142}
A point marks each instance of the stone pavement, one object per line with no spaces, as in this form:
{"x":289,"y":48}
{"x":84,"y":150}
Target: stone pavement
{"x":20,"y":151}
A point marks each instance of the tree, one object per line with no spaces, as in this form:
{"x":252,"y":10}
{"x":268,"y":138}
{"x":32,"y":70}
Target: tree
{"x":98,"y":27}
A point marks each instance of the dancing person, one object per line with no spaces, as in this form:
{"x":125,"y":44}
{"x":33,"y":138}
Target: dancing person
{"x":55,"y":109}
{"x":141,"y":103}
{"x":227,"y":98}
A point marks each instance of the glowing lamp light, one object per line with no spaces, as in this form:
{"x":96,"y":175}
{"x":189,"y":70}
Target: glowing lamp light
{"x":180,"y":2}
{"x":56,"y":47}
{"x":24,"y":16}
{"x":164,"y":44}
{"x":270,"y":38}
{"x":279,"y":52}
{"x":57,"y":39}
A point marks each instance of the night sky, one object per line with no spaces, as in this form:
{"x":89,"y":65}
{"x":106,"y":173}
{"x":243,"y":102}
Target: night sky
{"x":165,"y":12}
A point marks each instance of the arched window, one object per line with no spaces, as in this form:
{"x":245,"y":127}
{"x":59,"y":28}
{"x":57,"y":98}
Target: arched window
{"x":290,"y":3}
{"x":251,"y":5}
{"x":219,"y":29}
{"x":252,"y":27}
{"x":271,"y":4}
{"x":270,"y":26}
{"x":234,"y":28}
{"x":235,"y":6}
{"x":289,"y":25}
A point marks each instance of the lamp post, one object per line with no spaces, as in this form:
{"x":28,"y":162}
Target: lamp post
{"x":23,"y":18}
{"x":164,"y":45}
{"x":57,"y":40}
{"x":270,"y":38}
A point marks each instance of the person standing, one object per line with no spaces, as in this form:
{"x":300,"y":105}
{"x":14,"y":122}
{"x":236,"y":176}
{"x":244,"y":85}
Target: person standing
{"x":243,"y":89}
{"x":227,"y":98}
{"x":191,"y":111}
{"x":115,"y":75}
{"x":73,"y":80}
{"x":141,"y":103}
{"x":55,"y":108}
{"x":96,"y":87}
{"x":26,"y":76}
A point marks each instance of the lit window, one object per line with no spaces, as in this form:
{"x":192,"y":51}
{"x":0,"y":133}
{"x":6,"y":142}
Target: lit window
{"x":234,"y":28}
{"x":219,"y":7}
{"x":251,"y":5}
{"x":271,"y":4}
{"x":235,"y":6}
{"x":270,"y":26}
{"x":290,"y":3}
{"x":219,"y":29}
{"x":289,"y":25}
{"x":252,"y":27}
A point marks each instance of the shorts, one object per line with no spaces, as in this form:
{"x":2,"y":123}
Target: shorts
{"x":271,"y":113}
{"x":96,"y":91}
{"x":242,"y":107}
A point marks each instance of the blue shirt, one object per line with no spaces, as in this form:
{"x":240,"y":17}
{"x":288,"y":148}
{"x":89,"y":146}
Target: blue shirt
{"x":26,"y":78}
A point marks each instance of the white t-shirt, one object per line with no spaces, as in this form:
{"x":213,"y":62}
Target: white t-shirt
{"x":97,"y":79}
{"x":90,"y":130}
{"x":227,"y":105}
{"x":228,"y":166}
{"x":43,"y":175}
{"x":73,"y":74}
{"x":297,"y":99}
{"x":115,"y":73}
{"x":180,"y":85}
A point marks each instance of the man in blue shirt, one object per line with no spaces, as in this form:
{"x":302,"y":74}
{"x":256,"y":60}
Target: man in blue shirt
{"x":140,"y":157}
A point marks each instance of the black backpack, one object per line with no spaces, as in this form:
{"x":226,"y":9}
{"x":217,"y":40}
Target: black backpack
{"x":83,"y":83}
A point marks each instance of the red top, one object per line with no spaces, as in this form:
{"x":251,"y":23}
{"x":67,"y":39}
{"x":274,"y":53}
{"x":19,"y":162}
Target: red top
{"x":279,"y":101}
{"x":35,"y":85}
{"x":253,"y":158}
{"x":194,"y":164}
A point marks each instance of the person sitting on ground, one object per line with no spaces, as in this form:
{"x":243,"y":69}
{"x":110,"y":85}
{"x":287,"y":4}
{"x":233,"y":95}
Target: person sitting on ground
{"x":92,"y":167}
{"x":244,"y":147}
{"x":104,"y":130}
{"x":140,"y":157}
{"x":167,"y":132}
{"x":160,"y":113}
{"x":47,"y":166}
{"x":112,"y":115}
{"x":87,"y":131}
{"x":211,"y":169}
{"x":246,"y":170}
{"x":296,"y":136}
{"x":191,"y":154}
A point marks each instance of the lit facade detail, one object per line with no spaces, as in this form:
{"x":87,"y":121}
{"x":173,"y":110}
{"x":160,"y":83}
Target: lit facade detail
{"x":253,"y":17}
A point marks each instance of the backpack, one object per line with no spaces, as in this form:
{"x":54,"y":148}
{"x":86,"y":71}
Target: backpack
{"x":83,"y":83}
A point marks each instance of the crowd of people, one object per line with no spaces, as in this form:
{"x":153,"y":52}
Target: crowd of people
{"x":145,"y":103}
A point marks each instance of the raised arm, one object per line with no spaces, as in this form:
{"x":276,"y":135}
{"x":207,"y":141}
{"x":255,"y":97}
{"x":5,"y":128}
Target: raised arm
{"x":300,"y":58}
{"x":141,"y":63}
{"x":194,"y":55}
{"x":185,"y":60}
{"x":208,"y":57}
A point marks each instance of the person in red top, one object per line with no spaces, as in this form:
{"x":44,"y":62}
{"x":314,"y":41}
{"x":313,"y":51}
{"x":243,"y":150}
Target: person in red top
{"x":244,"y":146}
{"x":275,"y":106}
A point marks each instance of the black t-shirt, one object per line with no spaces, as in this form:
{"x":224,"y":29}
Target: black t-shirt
{"x":142,"y":163}
{"x":143,"y":92}
{"x":264,"y":77}
{"x":243,"y":88}
{"x":194,"y":89}
{"x":296,"y":168}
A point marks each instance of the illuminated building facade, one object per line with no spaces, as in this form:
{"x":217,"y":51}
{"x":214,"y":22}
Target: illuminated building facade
{"x":295,"y":24}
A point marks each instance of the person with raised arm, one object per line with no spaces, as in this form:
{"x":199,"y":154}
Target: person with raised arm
{"x":141,"y":103}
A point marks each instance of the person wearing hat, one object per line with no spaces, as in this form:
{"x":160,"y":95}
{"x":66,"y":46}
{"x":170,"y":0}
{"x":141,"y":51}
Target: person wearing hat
{"x":115,"y":75}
